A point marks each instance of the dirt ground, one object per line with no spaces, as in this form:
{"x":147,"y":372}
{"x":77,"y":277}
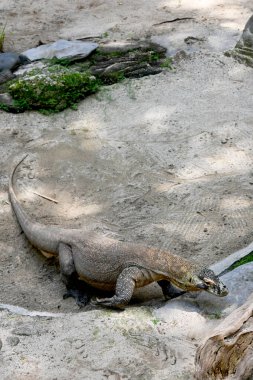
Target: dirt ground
{"x":164,"y":160}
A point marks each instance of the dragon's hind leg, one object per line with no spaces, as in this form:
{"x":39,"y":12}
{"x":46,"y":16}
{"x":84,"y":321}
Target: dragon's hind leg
{"x":169,"y":291}
{"x":75,"y":288}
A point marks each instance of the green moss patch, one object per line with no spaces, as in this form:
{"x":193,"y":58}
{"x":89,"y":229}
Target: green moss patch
{"x":242,"y":54}
{"x":51,"y":90}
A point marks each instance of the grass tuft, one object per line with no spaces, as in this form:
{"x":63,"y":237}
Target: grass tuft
{"x":2,"y":38}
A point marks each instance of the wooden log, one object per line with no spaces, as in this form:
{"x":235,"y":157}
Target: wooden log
{"x":228,"y":352}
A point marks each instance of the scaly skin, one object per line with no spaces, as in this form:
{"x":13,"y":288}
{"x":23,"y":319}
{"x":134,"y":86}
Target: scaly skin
{"x":109,"y":264}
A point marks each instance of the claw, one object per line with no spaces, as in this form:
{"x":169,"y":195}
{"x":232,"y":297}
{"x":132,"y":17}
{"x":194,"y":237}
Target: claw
{"x":109,"y":302}
{"x":80,"y":298}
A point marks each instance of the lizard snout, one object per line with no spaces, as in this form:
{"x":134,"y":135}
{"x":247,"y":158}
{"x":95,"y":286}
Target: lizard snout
{"x":219,"y":289}
{"x":223,"y":290}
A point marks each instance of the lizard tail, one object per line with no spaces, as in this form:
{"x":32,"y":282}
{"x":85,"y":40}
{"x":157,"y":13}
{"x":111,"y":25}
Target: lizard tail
{"x":42,"y":237}
{"x":14,"y":171}
{"x":20,"y":213}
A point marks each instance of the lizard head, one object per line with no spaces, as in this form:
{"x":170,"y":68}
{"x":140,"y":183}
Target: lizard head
{"x":208,"y":281}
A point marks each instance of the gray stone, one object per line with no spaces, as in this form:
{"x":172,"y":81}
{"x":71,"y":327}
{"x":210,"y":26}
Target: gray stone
{"x":246,"y":39}
{"x":126,"y":46}
{"x":5,"y":76}
{"x":13,"y":340}
{"x":6,"y":99}
{"x":24,"y":330}
{"x":243,"y":51}
{"x":72,"y":50}
{"x":33,"y":66}
{"x":10,"y":61}
{"x":1,"y":344}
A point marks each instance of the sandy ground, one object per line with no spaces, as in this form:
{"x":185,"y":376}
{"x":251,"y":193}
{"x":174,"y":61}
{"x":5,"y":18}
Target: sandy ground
{"x":165,"y":160}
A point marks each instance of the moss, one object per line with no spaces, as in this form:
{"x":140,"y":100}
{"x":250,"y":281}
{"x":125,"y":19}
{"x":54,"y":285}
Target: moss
{"x":153,"y":56}
{"x":215,"y":315}
{"x":112,"y":78}
{"x":155,"y":321}
{"x":242,"y":55}
{"x":141,"y":55}
{"x":4,"y":107}
{"x":167,"y":63}
{"x":59,"y":61}
{"x":101,"y":55}
{"x":52,"y":91}
{"x":2,"y":38}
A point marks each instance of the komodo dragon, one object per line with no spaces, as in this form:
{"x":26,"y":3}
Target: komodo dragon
{"x":108,"y":264}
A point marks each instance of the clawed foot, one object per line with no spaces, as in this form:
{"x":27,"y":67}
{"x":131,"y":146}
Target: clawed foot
{"x":113,"y":303}
{"x":171,"y":296}
{"x":169,"y":291}
{"x":81,"y":298}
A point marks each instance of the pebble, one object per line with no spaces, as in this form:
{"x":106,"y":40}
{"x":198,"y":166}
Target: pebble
{"x":13,"y":340}
{"x":25,"y":331}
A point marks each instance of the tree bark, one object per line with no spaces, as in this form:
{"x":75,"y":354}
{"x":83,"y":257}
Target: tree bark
{"x":228,"y":352}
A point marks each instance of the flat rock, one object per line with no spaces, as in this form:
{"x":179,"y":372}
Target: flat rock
{"x":125,"y":46}
{"x":243,"y":51}
{"x":246,"y":39}
{"x":9,"y":61}
{"x":25,"y":331}
{"x":72,"y":50}
{"x":12,"y":340}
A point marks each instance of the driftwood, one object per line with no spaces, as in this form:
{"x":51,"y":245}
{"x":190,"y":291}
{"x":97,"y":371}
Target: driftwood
{"x":228,"y":352}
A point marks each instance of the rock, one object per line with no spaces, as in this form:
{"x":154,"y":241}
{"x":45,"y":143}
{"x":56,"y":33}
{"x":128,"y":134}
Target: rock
{"x":30,"y":67}
{"x":24,"y":331}
{"x":246,"y":39}
{"x":6,"y":100}
{"x":13,"y":340}
{"x":8,"y":63}
{"x":190,"y":40}
{"x":1,"y":344}
{"x":62,"y":49}
{"x":127,"y":46}
{"x":243,"y":51}
{"x":5,"y":76}
{"x":127,"y":59}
